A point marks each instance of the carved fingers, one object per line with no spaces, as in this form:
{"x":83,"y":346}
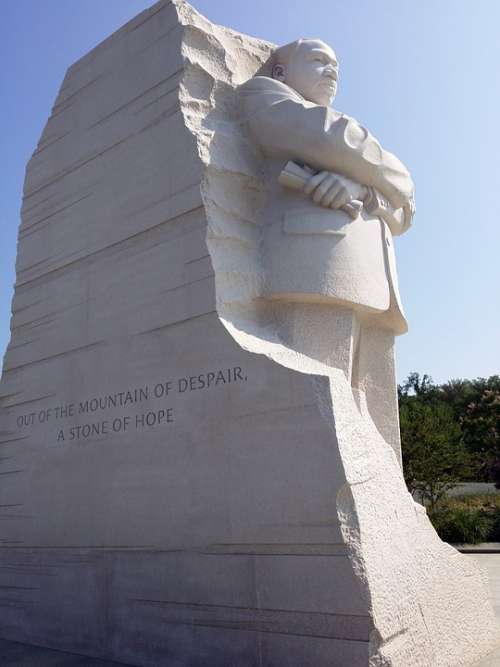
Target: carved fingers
{"x":337,"y":197}
{"x":326,"y":192}
{"x":330,"y":190}
{"x":315,"y":181}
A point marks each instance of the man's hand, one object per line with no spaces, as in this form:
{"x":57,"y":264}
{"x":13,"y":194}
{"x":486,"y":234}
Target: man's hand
{"x":333,"y":191}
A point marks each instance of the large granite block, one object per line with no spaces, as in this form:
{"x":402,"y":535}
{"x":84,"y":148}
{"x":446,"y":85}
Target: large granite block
{"x":185,"y":478}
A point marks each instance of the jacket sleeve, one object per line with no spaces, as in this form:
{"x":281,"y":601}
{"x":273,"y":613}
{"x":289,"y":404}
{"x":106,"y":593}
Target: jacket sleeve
{"x":287,"y":127}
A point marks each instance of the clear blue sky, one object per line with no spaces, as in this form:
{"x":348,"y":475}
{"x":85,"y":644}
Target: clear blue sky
{"x":423,"y":76}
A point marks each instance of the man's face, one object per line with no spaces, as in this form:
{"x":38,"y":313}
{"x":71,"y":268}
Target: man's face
{"x":313,"y":72}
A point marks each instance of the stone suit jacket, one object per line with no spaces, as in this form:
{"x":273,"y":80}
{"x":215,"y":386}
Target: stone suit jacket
{"x":351,"y":262}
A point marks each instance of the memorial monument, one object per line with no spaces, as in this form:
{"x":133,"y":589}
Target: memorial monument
{"x":199,"y":428}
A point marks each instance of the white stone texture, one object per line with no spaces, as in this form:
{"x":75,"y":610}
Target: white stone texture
{"x":209,"y":541}
{"x":269,"y":524}
{"x":490,"y":564}
{"x":428,"y":603}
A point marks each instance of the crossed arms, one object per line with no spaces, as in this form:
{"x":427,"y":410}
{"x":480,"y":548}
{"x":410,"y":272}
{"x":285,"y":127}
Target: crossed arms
{"x":348,"y":162}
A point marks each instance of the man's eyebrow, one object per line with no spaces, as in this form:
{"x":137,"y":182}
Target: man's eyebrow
{"x":324,"y":53}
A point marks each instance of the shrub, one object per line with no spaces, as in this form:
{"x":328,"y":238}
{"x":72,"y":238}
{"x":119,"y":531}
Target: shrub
{"x":462,"y":524}
{"x":494,"y":534}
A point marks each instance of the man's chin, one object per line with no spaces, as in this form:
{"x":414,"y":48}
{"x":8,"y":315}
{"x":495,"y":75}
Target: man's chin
{"x":320,"y":95}
{"x":323,"y":100}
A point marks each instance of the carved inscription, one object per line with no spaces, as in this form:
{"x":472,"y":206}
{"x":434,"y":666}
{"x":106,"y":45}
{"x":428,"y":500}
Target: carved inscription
{"x":88,"y":418}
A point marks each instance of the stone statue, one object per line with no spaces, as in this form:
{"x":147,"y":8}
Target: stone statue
{"x":335,"y":200}
{"x":195,"y":209}
{"x":302,"y":204}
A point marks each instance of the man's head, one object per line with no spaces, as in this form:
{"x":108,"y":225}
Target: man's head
{"x":310,"y":67}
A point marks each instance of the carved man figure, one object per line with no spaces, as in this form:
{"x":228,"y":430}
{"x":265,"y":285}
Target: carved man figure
{"x":335,"y":199}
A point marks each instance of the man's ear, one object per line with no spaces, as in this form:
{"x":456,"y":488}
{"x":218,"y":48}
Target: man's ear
{"x":278,"y":73}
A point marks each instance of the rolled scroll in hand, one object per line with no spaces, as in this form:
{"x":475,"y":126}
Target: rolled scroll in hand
{"x":295,"y":176}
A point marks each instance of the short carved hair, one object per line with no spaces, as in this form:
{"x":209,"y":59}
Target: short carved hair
{"x":283,"y":54}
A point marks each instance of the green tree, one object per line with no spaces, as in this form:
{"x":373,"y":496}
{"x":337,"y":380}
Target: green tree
{"x":460,"y":393}
{"x":434,"y":457}
{"x":481,"y":429}
{"x":416,"y":385}
{"x":475,"y":405}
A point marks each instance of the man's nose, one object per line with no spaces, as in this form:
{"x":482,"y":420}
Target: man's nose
{"x":331,"y":69}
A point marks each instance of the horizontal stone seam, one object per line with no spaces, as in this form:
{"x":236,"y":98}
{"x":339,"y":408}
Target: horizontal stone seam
{"x":176,"y":322}
{"x":65,"y":103}
{"x":96,"y":255}
{"x":288,"y":554}
{"x":32,"y":227}
{"x":271,"y":620}
{"x":23,"y":344}
{"x":84,"y":161}
{"x":187,"y":284}
{"x":151,"y":13}
{"x":5,"y":442}
{"x":52,"y":356}
{"x":47,"y":143}
{"x":136,"y":98}
{"x":154,"y":551}
{"x":16,"y":311}
{"x":106,"y":44}
{"x":248,"y":628}
{"x":50,"y":316}
{"x":192,"y":186}
{"x":71,"y":169}
{"x":176,"y":26}
{"x":27,"y":209}
{"x":61,"y":106}
{"x":262,"y":610}
{"x":31,"y":400}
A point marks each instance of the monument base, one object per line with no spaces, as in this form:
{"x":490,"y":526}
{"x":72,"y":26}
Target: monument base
{"x":196,"y":607}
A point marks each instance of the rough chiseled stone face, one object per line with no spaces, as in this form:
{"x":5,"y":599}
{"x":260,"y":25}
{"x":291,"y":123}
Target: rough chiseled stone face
{"x":194,"y":469}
